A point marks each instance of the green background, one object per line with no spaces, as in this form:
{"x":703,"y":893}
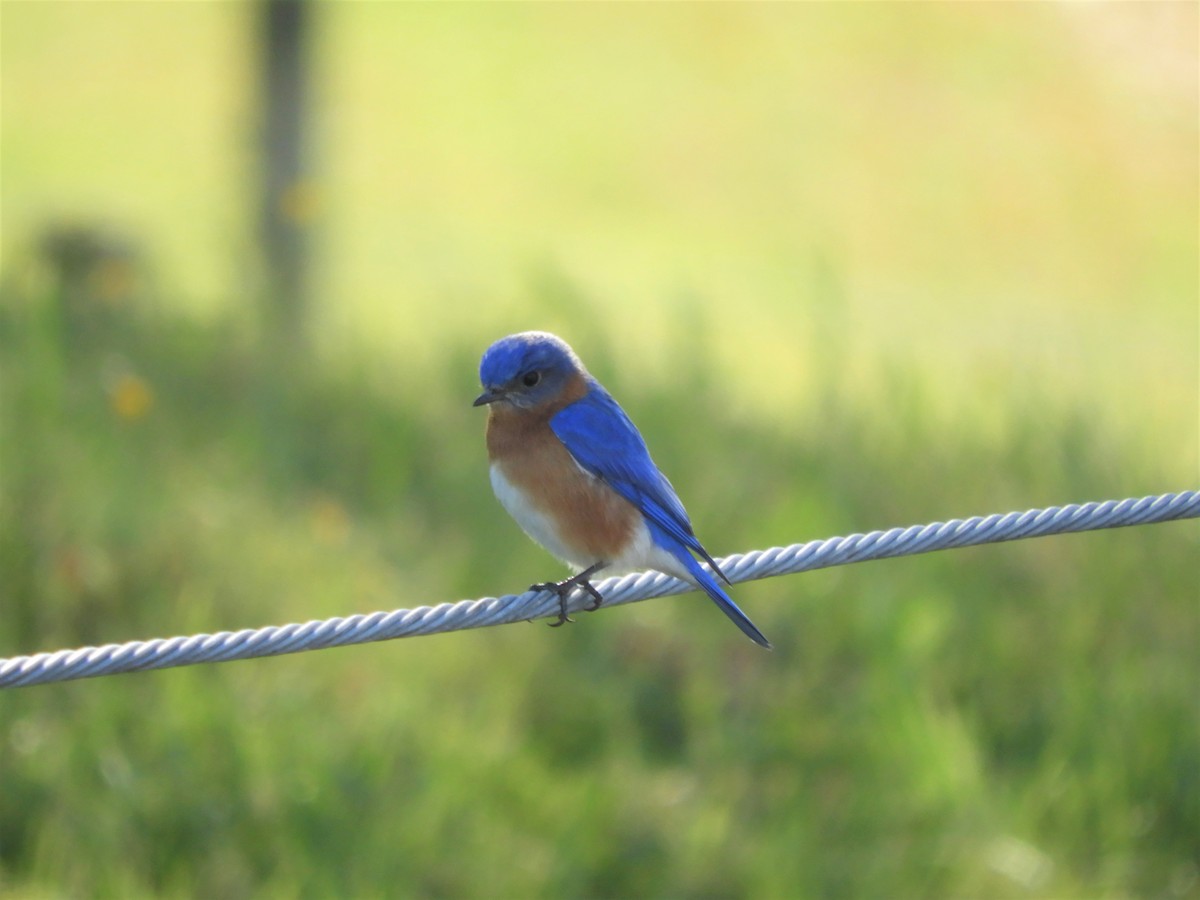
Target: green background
{"x":849,"y":267}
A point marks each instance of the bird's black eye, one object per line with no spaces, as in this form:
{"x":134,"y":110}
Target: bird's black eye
{"x":529,"y":379}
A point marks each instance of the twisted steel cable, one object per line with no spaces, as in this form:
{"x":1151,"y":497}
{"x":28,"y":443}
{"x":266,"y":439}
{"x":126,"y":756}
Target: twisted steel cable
{"x":275,"y":640}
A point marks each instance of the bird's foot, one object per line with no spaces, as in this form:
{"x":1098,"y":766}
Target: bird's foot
{"x":563,"y":590}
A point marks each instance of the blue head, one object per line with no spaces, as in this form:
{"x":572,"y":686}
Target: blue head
{"x":527,"y":369}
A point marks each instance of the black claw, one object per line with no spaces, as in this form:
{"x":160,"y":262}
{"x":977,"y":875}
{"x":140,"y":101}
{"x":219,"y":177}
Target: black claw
{"x":563,"y":590}
{"x":590,"y":588}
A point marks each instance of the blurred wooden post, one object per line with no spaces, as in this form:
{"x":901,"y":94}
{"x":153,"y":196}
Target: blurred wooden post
{"x":286,"y":197}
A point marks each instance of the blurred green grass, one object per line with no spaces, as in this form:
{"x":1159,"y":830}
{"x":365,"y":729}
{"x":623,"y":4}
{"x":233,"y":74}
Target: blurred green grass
{"x":848,"y":267}
{"x":994,"y":188}
{"x":1014,"y":720}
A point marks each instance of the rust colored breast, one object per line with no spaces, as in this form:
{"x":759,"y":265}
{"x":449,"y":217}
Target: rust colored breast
{"x":590,"y":516}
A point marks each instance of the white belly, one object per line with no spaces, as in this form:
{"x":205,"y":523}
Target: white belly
{"x":639,"y":553}
{"x":533,"y":521}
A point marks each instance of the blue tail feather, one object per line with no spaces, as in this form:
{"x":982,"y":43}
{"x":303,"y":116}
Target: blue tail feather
{"x":701,"y":576}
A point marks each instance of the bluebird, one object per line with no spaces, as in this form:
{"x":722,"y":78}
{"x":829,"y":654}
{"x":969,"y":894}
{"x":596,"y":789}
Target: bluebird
{"x":573,"y":470}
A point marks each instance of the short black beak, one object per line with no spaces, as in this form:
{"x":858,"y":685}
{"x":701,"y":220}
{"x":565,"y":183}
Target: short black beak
{"x":491,"y":395}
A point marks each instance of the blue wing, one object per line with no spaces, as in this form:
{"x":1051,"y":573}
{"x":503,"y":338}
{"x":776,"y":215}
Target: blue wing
{"x":606,"y":443}
{"x":604,"y":440}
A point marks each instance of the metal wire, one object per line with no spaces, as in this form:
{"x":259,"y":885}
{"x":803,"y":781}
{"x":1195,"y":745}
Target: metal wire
{"x":111,"y":659}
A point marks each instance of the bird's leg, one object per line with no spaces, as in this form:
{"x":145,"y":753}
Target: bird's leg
{"x":563,"y":590}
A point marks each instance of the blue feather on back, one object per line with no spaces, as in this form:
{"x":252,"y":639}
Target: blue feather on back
{"x":606,"y":443}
